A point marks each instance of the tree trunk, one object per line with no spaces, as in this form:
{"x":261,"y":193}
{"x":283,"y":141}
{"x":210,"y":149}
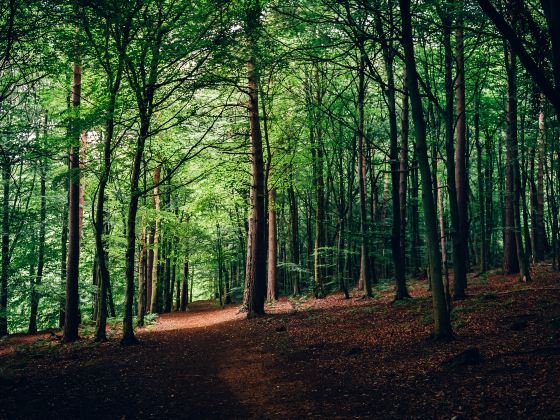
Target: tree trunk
{"x":403,"y":173}
{"x":442,"y":325}
{"x":511,"y":261}
{"x":256,"y":277}
{"x":366,"y":272}
{"x":461,"y":178}
{"x":5,"y":273}
{"x":185,"y":286}
{"x":128,"y":329}
{"x":541,"y":239}
{"x":142,"y":277}
{"x":154,"y":304}
{"x":272,"y":293}
{"x":483,"y":261}
{"x":295,"y":238}
{"x":35,"y":296}
{"x":514,"y":183}
{"x":397,"y":220}
{"x":150,"y":267}
{"x":443,"y":245}
{"x":72,"y":311}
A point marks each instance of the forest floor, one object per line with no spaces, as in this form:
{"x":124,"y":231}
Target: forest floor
{"x":307,"y":358}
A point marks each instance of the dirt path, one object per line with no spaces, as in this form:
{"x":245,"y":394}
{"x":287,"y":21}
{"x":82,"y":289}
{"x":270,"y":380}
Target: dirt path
{"x":330,"y":358}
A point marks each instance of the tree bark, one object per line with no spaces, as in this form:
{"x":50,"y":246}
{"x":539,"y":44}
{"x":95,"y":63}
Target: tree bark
{"x":255,"y":277}
{"x":5,"y":273}
{"x":483,"y":260}
{"x":185,"y":286}
{"x":512,"y":164}
{"x":541,"y":241}
{"x":272,"y":293}
{"x":403,"y":172}
{"x":154,"y":304}
{"x":142,"y":277}
{"x":366,"y":272}
{"x":72,"y":315}
{"x":442,"y":325}
{"x":461,"y":179}
{"x":35,"y":296}
{"x":294,"y":218}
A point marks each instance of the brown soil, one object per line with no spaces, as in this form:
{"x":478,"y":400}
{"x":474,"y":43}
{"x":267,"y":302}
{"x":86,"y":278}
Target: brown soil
{"x":340,"y":358}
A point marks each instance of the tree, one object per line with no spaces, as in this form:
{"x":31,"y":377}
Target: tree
{"x":255,"y":277}
{"x":72,"y":310}
{"x":442,"y":325}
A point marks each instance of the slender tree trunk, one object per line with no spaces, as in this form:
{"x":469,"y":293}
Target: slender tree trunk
{"x":483,"y":266}
{"x":128,"y":329}
{"x":443,"y":245}
{"x":5,"y":273}
{"x":272,"y":293}
{"x":514,"y":186}
{"x":185,"y":286}
{"x":35,"y":296}
{"x":320,"y":215}
{"x":72,"y":312}
{"x":64,"y":250}
{"x":256,"y":277}
{"x":403,"y":173}
{"x":142,"y":277}
{"x":397,"y":220}
{"x":461,"y":178}
{"x":168,"y":289}
{"x":511,"y":262}
{"x":150,"y":267}
{"x":415,"y":243}
{"x":541,"y":241}
{"x":459,"y":253}
{"x":366,"y":273}
{"x":442,"y":325}
{"x":295,"y":237}
{"x":154,"y":304}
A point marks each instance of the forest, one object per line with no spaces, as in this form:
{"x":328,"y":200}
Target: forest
{"x":280,"y":208}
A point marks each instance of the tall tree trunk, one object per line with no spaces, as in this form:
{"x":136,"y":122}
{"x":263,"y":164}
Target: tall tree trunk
{"x":100,"y":222}
{"x":168,"y":289}
{"x":480,"y":168}
{"x":64,"y":249}
{"x":294,"y":217}
{"x":320,"y":214}
{"x":366,"y":273}
{"x":256,"y":277}
{"x":142,"y":277}
{"x":511,"y":262}
{"x":272,"y":293}
{"x":459,"y":254}
{"x":5,"y":273}
{"x":35,"y":296}
{"x":514,"y":184}
{"x":154,"y":304}
{"x":443,"y":245}
{"x":150,"y":267}
{"x":72,"y":312}
{"x":489,"y":198}
{"x":128,"y":329}
{"x":442,"y":325}
{"x":541,"y":239}
{"x":403,"y":173}
{"x":461,"y":178}
{"x":396,"y":252}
